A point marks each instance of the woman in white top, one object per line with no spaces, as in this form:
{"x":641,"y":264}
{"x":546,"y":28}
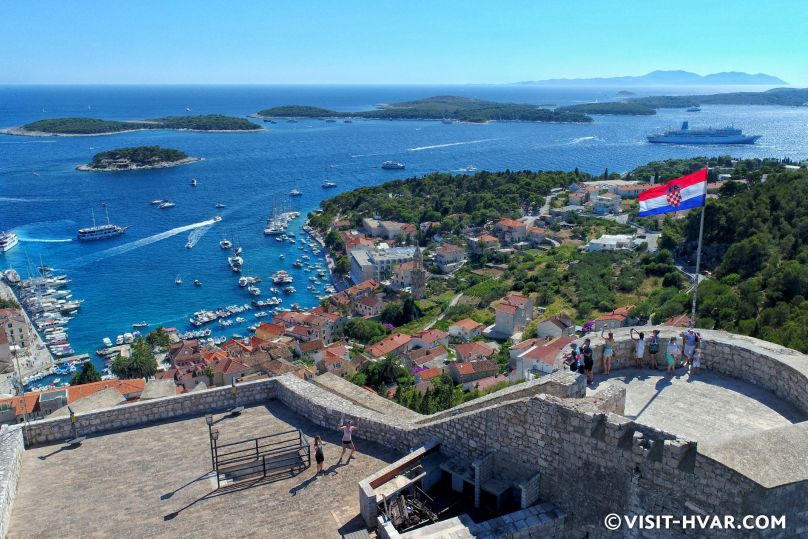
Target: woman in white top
{"x":639,"y":347}
{"x":347,"y":440}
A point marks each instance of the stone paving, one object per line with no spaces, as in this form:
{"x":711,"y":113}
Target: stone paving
{"x":151,"y":482}
{"x":702,"y":407}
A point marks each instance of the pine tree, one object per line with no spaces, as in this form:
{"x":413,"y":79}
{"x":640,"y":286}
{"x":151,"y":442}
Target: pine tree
{"x":87,"y":375}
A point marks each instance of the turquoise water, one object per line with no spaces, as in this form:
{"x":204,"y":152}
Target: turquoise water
{"x":131,"y":278}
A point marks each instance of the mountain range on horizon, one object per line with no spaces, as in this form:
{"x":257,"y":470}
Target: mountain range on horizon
{"x":670,"y":77}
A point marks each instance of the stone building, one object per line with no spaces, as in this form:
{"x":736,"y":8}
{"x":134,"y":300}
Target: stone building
{"x":418,"y":276}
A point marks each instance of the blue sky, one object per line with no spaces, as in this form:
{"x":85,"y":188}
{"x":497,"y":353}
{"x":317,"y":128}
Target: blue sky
{"x":387,"y":42}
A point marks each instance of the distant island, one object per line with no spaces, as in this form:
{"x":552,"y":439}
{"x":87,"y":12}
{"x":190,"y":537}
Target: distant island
{"x":462,"y":109}
{"x":617,"y":107}
{"x":139,"y":158}
{"x":95,"y":126}
{"x":789,"y":97}
{"x":669,"y":78}
{"x":625,"y":93}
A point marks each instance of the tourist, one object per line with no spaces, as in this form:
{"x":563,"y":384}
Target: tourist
{"x":653,"y":348}
{"x":589,"y":363}
{"x":639,"y":347}
{"x":608,"y":350}
{"x":690,"y":340}
{"x":319,"y":457}
{"x":672,"y":354}
{"x":347,"y":440}
{"x":572,"y":357}
{"x":695,"y":362}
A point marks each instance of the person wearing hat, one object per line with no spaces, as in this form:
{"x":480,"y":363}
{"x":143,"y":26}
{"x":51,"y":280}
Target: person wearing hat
{"x":347,"y":440}
{"x":690,"y":339}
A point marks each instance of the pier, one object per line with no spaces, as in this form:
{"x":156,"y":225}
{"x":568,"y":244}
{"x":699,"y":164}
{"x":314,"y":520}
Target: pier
{"x":34,"y":358}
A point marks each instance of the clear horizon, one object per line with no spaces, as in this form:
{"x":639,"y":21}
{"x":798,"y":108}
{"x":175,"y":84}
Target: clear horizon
{"x":212,"y":42}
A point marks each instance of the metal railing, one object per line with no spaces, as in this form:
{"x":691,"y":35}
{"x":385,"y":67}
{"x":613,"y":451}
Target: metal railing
{"x":262,"y":457}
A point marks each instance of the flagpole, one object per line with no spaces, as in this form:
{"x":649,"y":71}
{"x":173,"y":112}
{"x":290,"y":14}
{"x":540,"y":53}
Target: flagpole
{"x":698,"y":264}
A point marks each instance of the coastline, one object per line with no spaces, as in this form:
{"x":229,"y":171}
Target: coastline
{"x":164,"y":164}
{"x":19,"y":132}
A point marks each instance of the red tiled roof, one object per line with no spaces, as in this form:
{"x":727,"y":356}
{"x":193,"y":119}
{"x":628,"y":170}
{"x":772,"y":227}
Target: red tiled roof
{"x":423,"y":355}
{"x":268,"y":328}
{"x":510,"y":223}
{"x":311,"y":346}
{"x":473,"y":348}
{"x":407,"y":227}
{"x":467,"y":324}
{"x":620,"y":317}
{"x":430,"y":336}
{"x":406,"y":266}
{"x":488,"y":381}
{"x":561,"y":320}
{"x":370,"y":301}
{"x":388,"y":344}
{"x":518,"y":300}
{"x":487,"y":238}
{"x":449,"y":248}
{"x":546,"y":351}
{"x":429,"y":374}
{"x":681,"y":321}
{"x":229,"y":366}
{"x":506,"y":308}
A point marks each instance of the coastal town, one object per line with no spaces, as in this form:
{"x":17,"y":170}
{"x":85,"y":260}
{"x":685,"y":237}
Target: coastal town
{"x":444,"y":309}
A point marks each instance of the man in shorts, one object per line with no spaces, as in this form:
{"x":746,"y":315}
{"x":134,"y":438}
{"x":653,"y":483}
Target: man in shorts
{"x":690,"y":339}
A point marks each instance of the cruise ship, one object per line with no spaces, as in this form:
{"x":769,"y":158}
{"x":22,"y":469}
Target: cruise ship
{"x":685,"y":135}
{"x":101,"y":232}
{"x":8,"y":240}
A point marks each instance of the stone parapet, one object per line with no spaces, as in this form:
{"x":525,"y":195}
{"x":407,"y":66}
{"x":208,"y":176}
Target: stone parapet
{"x":11,"y":450}
{"x":144,"y":413}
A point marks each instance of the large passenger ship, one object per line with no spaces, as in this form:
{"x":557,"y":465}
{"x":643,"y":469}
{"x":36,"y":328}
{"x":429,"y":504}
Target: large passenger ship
{"x":685,"y":135}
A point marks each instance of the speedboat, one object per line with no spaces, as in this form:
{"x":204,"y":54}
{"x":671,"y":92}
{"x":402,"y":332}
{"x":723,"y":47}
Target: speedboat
{"x":156,"y":202}
{"x":140,"y":325}
{"x":197,"y":282}
{"x":194,"y":182}
{"x":220,"y":205}
{"x":254,"y":290}
{"x":178,"y":280}
{"x":217,"y":218}
{"x":167,"y":204}
{"x":225,"y":244}
{"x":328,"y":184}
{"x":295,"y":192}
{"x":189,"y":245}
{"x":107,"y":342}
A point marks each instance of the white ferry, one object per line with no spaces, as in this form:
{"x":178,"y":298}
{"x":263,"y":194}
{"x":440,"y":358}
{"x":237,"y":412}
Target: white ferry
{"x":8,"y":240}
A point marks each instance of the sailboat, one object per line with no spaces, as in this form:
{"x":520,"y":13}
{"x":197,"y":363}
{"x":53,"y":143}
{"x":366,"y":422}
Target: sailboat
{"x":295,"y":192}
{"x":100,"y":232}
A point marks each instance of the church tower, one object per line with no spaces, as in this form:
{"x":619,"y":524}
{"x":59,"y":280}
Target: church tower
{"x":418,"y":278}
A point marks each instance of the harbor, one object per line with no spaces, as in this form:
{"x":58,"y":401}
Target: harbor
{"x":31,"y":359}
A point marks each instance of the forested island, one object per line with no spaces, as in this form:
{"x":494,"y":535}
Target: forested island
{"x":617,"y":107}
{"x":95,"y":126}
{"x":139,"y":158}
{"x":462,"y":109}
{"x":754,"y":245}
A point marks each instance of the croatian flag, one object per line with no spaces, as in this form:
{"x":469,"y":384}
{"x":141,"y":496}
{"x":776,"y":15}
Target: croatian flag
{"x":680,"y":194}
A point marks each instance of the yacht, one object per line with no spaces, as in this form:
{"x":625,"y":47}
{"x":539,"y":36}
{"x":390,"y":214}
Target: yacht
{"x":101,"y":232}
{"x":197,"y":282}
{"x":235,"y":263}
{"x":295,"y":192}
{"x":8,"y":240}
{"x":156,"y":202}
{"x":194,"y":182}
{"x":178,"y":280}
{"x":254,"y":290}
{"x":220,"y":205}
{"x":225,"y":244}
{"x":167,"y":204}
{"x":328,"y":184}
{"x":140,"y":325}
{"x":392,"y":165}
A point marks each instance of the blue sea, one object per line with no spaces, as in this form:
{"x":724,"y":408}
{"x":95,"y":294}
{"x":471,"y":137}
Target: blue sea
{"x":131,"y":278}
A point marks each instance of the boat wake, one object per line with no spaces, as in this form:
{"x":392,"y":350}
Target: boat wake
{"x":28,"y":142}
{"x":132,"y":245}
{"x":42,"y":240}
{"x":584,"y":139}
{"x":196,"y":235}
{"x":421,"y":148}
{"x":368,"y":154}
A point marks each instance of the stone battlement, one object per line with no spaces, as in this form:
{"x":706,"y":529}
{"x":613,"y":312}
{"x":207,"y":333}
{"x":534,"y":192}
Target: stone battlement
{"x":579,"y":448}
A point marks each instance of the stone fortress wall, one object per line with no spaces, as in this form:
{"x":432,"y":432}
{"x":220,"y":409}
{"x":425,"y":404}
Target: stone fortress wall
{"x":590,"y":460}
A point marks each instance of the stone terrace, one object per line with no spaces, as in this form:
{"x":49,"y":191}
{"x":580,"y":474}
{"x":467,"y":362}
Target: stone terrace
{"x":130,"y":483}
{"x":704,"y":407}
